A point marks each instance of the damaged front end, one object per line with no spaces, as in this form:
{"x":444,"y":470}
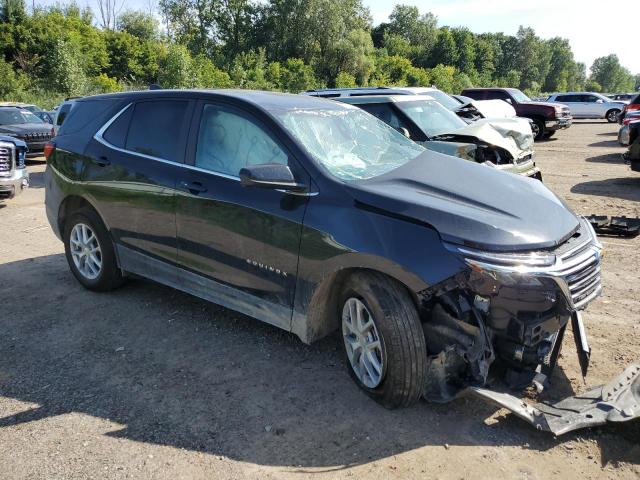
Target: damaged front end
{"x":506,"y":315}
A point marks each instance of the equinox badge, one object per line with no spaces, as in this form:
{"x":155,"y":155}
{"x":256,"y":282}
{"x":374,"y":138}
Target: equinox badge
{"x":266,"y":267}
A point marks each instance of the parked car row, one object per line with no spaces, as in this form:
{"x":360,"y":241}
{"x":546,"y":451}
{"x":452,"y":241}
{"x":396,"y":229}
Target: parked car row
{"x":315,"y":216}
{"x":590,"y":105}
{"x":629,"y":133}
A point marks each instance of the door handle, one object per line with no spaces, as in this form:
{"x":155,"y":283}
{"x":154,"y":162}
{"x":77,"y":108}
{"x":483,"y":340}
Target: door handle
{"x":193,"y":187}
{"x":101,"y":161}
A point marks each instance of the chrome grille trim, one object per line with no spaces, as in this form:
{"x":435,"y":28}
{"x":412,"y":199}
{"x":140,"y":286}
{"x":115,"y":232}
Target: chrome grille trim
{"x":7,"y":154}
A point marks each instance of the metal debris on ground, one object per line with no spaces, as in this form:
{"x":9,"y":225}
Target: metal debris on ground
{"x":615,"y":226}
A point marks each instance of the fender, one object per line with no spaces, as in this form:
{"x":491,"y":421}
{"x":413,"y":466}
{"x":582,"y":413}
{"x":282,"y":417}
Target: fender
{"x":370,"y":241}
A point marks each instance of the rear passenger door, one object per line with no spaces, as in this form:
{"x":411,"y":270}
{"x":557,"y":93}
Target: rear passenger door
{"x":134,"y":161}
{"x":238,"y":246}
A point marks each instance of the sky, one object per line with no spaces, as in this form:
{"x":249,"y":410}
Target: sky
{"x":594,"y":28}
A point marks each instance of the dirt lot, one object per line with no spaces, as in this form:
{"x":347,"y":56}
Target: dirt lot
{"x":147,"y":382}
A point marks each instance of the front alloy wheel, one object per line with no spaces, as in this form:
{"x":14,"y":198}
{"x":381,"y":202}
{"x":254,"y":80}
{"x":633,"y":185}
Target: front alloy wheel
{"x":86,"y":251}
{"x":362,"y":343}
{"x":382,"y":337}
{"x":612,"y":116}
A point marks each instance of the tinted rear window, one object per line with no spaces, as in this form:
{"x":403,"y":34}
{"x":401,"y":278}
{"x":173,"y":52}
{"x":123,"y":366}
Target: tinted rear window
{"x":155,"y":128}
{"x":116,"y":134}
{"x":84,"y":114}
{"x":62,"y":114}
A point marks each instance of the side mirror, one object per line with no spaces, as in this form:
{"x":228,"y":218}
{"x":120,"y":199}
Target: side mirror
{"x":599,"y":101}
{"x":270,"y":175}
{"x":404,"y":132}
{"x":508,"y":100}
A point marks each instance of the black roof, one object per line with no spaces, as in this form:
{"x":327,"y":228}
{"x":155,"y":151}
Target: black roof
{"x":269,"y":101}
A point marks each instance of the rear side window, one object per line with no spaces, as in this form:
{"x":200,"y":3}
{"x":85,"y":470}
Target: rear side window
{"x":62,"y":114}
{"x":116,"y":134}
{"x":82,"y":114}
{"x":155,"y":128}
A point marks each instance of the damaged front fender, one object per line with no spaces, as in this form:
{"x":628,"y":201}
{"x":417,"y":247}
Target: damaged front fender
{"x":617,"y":401}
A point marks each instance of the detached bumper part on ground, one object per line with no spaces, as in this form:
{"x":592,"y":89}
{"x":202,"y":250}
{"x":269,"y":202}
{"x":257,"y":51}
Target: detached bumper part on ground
{"x":617,"y":401}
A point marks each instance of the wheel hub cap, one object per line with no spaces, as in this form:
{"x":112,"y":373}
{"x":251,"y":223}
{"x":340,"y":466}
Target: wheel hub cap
{"x":85,"y":251}
{"x":362,"y":343}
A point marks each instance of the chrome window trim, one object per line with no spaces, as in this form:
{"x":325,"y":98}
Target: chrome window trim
{"x":100,"y":138}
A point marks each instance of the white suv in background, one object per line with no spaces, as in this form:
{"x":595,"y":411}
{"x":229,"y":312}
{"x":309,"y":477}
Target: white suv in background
{"x":589,"y":105}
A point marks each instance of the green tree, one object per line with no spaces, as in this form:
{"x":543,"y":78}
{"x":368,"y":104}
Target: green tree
{"x":297,"y":76}
{"x":562,"y":66}
{"x":345,"y":80}
{"x":142,"y":25}
{"x":465,"y":45}
{"x":177,"y":68}
{"x":445,"y":51}
{"x":610,"y":75}
{"x":65,"y":69}
{"x":10,"y":84}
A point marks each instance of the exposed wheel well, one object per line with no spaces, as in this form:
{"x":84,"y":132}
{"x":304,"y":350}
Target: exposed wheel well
{"x":323,"y":316}
{"x":606,"y":115}
{"x":73,"y":204}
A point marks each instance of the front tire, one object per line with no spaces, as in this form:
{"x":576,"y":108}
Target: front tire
{"x":612,"y":116}
{"x":89,"y":251}
{"x":537,"y":128}
{"x":382,"y":339}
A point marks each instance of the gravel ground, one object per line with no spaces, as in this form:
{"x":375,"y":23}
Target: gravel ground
{"x":147,"y":382}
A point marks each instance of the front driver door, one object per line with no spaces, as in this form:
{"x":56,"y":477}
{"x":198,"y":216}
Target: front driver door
{"x":238,"y":246}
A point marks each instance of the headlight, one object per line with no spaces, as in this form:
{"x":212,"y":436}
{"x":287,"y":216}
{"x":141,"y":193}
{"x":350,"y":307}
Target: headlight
{"x":512,"y":261}
{"x":559,"y":110}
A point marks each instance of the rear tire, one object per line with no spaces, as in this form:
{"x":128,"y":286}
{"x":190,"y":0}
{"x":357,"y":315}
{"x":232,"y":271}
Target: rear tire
{"x":612,"y":115}
{"x":90,"y":253}
{"x":399,"y":364}
{"x":537,"y":129}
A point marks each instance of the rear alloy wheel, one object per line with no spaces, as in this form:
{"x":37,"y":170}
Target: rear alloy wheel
{"x":85,"y":251}
{"x":90,"y":253}
{"x":383,"y":340}
{"x":612,"y":116}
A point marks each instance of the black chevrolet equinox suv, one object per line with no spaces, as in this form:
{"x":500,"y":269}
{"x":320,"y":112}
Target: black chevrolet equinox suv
{"x":316,"y":217}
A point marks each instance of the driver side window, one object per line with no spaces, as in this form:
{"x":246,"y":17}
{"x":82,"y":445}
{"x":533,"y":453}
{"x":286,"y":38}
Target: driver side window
{"x":228,"y":141}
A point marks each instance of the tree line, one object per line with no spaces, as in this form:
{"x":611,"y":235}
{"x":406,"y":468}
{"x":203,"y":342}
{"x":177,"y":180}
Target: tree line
{"x":288,"y":45}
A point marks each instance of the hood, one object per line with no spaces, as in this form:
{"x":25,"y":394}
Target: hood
{"x":16,"y":141}
{"x":544,"y":104}
{"x":24,"y":128}
{"x":494,"y":108}
{"x":470,"y":204}
{"x":513,"y":136}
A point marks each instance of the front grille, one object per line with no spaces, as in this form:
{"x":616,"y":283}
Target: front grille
{"x":524,"y":159}
{"x":581,"y":272}
{"x":6,"y":160}
{"x":37,"y":137}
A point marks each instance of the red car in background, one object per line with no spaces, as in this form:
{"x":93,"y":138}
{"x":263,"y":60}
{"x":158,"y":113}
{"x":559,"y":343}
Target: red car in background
{"x":633,"y":106}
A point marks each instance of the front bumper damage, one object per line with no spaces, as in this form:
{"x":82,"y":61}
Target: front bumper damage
{"x":506,"y":317}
